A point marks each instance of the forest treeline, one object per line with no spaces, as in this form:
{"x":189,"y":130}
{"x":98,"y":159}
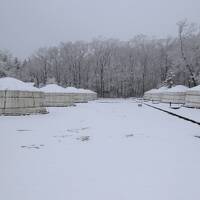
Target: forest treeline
{"x":111,"y":67}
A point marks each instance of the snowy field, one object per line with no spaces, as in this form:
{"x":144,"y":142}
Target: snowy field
{"x":103,"y":150}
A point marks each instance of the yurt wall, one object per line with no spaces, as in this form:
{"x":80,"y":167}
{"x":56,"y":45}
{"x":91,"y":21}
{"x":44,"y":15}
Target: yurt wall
{"x":175,"y":95}
{"x":57,"y":99}
{"x":148,"y":94}
{"x":14,"y":101}
{"x":193,"y":97}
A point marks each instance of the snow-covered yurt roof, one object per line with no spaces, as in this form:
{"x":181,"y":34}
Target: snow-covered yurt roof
{"x":157,"y":90}
{"x":76,"y":90}
{"x":162,"y":89}
{"x":196,"y":88}
{"x":9,"y":83}
{"x":178,"y":88}
{"x":30,"y":83}
{"x":53,"y":88}
{"x":150,"y":91}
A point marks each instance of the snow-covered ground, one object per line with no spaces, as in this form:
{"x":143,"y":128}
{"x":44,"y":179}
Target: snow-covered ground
{"x":190,"y":113}
{"x":103,"y":150}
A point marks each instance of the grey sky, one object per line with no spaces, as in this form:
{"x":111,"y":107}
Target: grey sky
{"x":26,"y":25}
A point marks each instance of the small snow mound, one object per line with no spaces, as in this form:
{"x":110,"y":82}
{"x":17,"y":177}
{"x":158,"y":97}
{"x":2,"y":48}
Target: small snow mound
{"x":196,"y":88}
{"x":53,"y":88}
{"x":178,"y":88}
{"x":9,"y":83}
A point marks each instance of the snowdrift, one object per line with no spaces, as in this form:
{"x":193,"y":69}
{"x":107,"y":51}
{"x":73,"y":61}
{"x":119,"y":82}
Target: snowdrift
{"x":192,"y":98}
{"x":175,"y":94}
{"x":19,"y":98}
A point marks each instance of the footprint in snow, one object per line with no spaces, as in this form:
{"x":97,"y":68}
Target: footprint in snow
{"x":129,"y":135}
{"x":62,"y":136}
{"x":23,"y":130}
{"x":83,"y":138}
{"x":33,"y":146}
{"x":78,"y":130}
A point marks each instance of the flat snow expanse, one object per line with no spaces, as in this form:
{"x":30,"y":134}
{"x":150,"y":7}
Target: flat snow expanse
{"x":103,"y":150}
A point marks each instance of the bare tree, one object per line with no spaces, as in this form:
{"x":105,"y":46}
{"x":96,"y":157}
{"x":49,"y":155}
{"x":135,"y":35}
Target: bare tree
{"x":111,"y":67}
{"x":182,"y":28}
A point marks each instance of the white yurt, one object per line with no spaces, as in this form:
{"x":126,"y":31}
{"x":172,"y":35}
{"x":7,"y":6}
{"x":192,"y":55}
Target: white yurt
{"x":19,"y":98}
{"x":81,"y":95}
{"x":56,"y":96}
{"x":175,"y":95}
{"x":148,"y":94}
{"x":155,"y":94}
{"x":192,"y":98}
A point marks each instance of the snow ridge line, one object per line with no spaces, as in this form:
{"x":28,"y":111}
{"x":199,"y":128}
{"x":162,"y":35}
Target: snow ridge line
{"x":171,"y":113}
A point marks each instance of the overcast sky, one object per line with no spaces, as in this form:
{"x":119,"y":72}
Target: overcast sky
{"x":26,"y":25}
